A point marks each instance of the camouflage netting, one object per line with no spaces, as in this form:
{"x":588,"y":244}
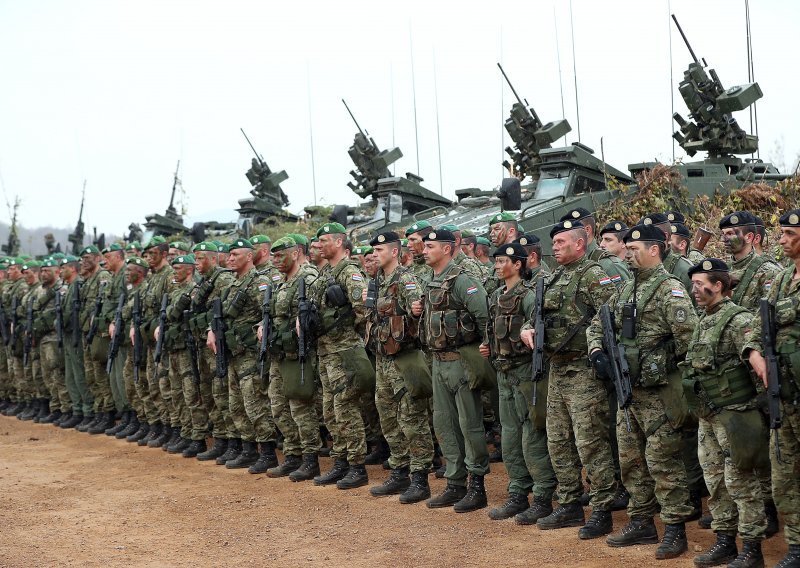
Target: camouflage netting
{"x":662,"y":190}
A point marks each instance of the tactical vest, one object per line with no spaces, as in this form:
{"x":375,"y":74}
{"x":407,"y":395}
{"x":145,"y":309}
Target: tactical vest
{"x":394,"y":330}
{"x":509,"y":317}
{"x":747,"y":277}
{"x":717,"y":381}
{"x":337,"y":310}
{"x":566,"y":317}
{"x":283,"y":342}
{"x":787,"y":344}
{"x":448,"y":325}
{"x":671,"y":261}
{"x":200,"y":319}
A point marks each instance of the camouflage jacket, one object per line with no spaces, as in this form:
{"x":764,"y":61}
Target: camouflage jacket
{"x":156,"y":284}
{"x":115,"y":287}
{"x":754,"y":275}
{"x":91,"y":287}
{"x":470,"y":266}
{"x":268,"y":269}
{"x":242,"y":309}
{"x":339,"y":325}
{"x":44,"y":310}
{"x":391,"y":327}
{"x":285,"y":310}
{"x":422,"y":272}
{"x":616,"y":269}
{"x":679,"y":267}
{"x":173,"y":340}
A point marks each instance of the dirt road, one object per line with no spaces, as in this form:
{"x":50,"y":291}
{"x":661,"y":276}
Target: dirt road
{"x":70,"y":499}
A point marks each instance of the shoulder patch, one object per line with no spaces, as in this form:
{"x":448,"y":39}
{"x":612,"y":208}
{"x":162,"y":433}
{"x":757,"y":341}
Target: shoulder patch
{"x":276,"y":277}
{"x":357,"y":278}
{"x":472,"y":290}
{"x":605,"y":280}
{"x":411,"y":286}
{"x":262,"y":287}
{"x":678,"y":293}
{"x":356,"y":293}
{"x":680,"y":315}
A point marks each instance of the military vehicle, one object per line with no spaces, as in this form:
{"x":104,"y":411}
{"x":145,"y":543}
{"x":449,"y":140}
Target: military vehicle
{"x":11,"y":248}
{"x":76,"y":236}
{"x":171,"y":222}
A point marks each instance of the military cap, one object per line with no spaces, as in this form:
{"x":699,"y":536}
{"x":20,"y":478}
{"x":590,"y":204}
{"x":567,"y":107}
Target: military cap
{"x":224,"y":248}
{"x":737,"y":219}
{"x":528,"y":239}
{"x":313,"y":239}
{"x":576,"y":214}
{"x":297,"y":237}
{"x":565,"y":226}
{"x":30,"y":264}
{"x":49,"y":263}
{"x":644,"y":233}
{"x":184,"y":259}
{"x":68,"y":259}
{"x":418,"y":226}
{"x":439,"y":236}
{"x":680,"y":229}
{"x":483,"y":241}
{"x":404,"y":243}
{"x":205,"y":246}
{"x":449,"y":227}
{"x":759,"y":221}
{"x":155,"y":241}
{"x":89,"y":249}
{"x":112,"y":248}
{"x":362,"y":250}
{"x":260,"y":239}
{"x":675,"y":217}
{"x":613,"y":227}
{"x":134,"y":245}
{"x":331,"y":229}
{"x":57,"y":256}
{"x":790,"y":218}
{"x":502,"y":217}
{"x":218,"y":243}
{"x":709,"y":265}
{"x":3,"y":265}
{"x":514,"y":251}
{"x":283,"y":243}
{"x":385,"y":238}
{"x":240,"y":244}
{"x":654,"y":219}
{"x":466,"y":233}
{"x":25,"y":257}
{"x":137,"y":261}
{"x":14,"y":261}
{"x":180,"y":245}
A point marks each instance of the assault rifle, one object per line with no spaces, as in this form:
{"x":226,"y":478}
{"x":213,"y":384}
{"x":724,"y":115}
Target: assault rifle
{"x":162,"y":331}
{"x":75,"y":317}
{"x":136,"y":321}
{"x":4,"y":326}
{"x":59,"y":320}
{"x":191,"y":346}
{"x":218,"y":327}
{"x":116,"y":339}
{"x":27,"y":340}
{"x":266,"y":330}
{"x":768,"y":333}
{"x":98,"y":307}
{"x":537,"y":359}
{"x":304,"y":313}
{"x":620,"y":372}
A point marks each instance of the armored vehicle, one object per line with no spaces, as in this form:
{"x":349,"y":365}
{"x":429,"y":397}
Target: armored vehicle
{"x":171,"y":222}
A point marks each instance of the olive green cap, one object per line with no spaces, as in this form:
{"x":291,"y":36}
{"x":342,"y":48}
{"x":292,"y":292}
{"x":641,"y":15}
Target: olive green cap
{"x":112,"y":248}
{"x":259,"y":240}
{"x":483,"y":241}
{"x":298,"y":238}
{"x":362,"y":250}
{"x":58,"y":256}
{"x":89,"y":249}
{"x":183,"y":259}
{"x":155,"y":241}
{"x":16,"y":261}
{"x":240,"y":244}
{"x":331,"y":229}
{"x":404,"y":243}
{"x":180,"y":245}
{"x":502,"y":217}
{"x":49,"y":263}
{"x":69,"y":259}
{"x":418,"y":226}
{"x":137,"y":261}
{"x":283,"y":243}
{"x":223,"y":248}
{"x":31,"y":264}
{"x":449,"y":227}
{"x":205,"y":246}
{"x":134,"y":245}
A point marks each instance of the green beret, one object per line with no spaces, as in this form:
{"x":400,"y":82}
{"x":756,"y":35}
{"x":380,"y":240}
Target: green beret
{"x":259,"y":239}
{"x":467,"y":233}
{"x":298,"y":238}
{"x":205,"y":246}
{"x":331,"y":229}
{"x":140,"y":262}
{"x":418,"y":226}
{"x":69,"y":259}
{"x":223,"y":248}
{"x":362,"y":250}
{"x":218,"y":243}
{"x":180,"y":245}
{"x":31,"y":264}
{"x":240,"y":244}
{"x":283,"y":243}
{"x":112,"y":247}
{"x":449,"y":227}
{"x":404,"y":243}
{"x":16,"y":261}
{"x":313,"y":239}
{"x":483,"y":241}
{"x":49,"y":263}
{"x":502,"y":217}
{"x":155,"y":241}
{"x":25,"y":256}
{"x":90,"y":249}
{"x":184,"y":259}
{"x":134,"y":245}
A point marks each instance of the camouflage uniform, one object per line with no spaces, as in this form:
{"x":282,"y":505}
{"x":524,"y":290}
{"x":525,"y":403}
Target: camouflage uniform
{"x":470,"y":266}
{"x":51,"y":356}
{"x":611,"y":264}
{"x":32,"y":385}
{"x":694,"y":256}
{"x":156,"y":284}
{"x":268,"y":269}
{"x":422,"y":272}
{"x":15,"y":368}
{"x":5,"y":383}
{"x":94,"y":369}
{"x":137,"y":392}
{"x":74,"y":373}
{"x":754,"y":275}
{"x":116,"y":286}
{"x":678,"y":266}
{"x":663,"y":330}
{"x":186,"y":411}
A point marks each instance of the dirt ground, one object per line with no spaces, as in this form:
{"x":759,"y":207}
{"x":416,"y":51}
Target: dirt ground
{"x":71,"y":499}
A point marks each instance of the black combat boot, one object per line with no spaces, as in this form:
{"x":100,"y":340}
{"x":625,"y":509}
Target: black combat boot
{"x":246,"y":458}
{"x":51,"y":418}
{"x":475,"y":498}
{"x":266,"y":459}
{"x":570,"y":515}
{"x":585,"y":499}
{"x":156,"y":430}
{"x":418,"y":490}
{"x":119,"y":426}
{"x":792,"y":558}
{"x":705,"y":521}
{"x":72,"y":421}
{"x":307,"y":470}
{"x":516,"y":503}
{"x":142,"y":432}
{"x":105,"y":422}
{"x":64,"y":416}
{"x":380,"y":452}
{"x":397,"y":482}
{"x":451,"y":495}
{"x":674,"y":542}
{"x":232,"y":451}
{"x":696,"y":503}
{"x":31,"y":410}
{"x":339,"y":470}
{"x":621,"y":498}
{"x":162,"y":438}
{"x":440,"y":471}
{"x":771,"y":512}
{"x":598,"y":524}
{"x":215,"y":451}
{"x":174,"y":438}
{"x":721,"y":552}
{"x":750,"y":556}
{"x":179,"y":446}
{"x":195,"y":448}
{"x":540,"y":508}
{"x":639,"y":530}
{"x":131,"y":428}
{"x":290,"y":464}
{"x":87,"y":422}
{"x":356,"y":476}
{"x":44,"y":410}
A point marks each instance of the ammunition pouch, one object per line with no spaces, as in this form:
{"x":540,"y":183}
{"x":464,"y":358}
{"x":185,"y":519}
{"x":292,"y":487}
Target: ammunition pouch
{"x":537,"y":413}
{"x":748,"y":437}
{"x":284,"y":341}
{"x":676,"y":407}
{"x":291,"y":372}
{"x":415,"y":372}
{"x":199,"y":323}
{"x":173,"y":338}
{"x":241,"y":338}
{"x":358,"y":369}
{"x":98,"y":350}
{"x":480,"y":373}
{"x":335,"y":295}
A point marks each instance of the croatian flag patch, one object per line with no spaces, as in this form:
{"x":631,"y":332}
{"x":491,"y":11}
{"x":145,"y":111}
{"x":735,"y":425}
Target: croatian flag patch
{"x":357,"y":277}
{"x":616,"y":278}
{"x":678,"y":293}
{"x":411,"y":286}
{"x":276,"y":277}
{"x":604,"y":281}
{"x":472,"y":290}
{"x":262,"y":287}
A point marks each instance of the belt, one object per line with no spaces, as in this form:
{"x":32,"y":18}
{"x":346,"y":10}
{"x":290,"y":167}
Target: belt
{"x":447,"y":355}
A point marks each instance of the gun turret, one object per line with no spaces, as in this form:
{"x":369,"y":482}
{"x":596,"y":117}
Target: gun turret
{"x":12,"y":247}
{"x":711,"y":126}
{"x":76,"y":236}
{"x":266,"y":183}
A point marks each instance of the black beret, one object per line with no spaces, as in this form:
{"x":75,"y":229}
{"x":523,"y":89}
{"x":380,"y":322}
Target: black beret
{"x":645,"y":233}
{"x":528,"y":239}
{"x":709,"y":265}
{"x":384,"y":238}
{"x":790,"y":218}
{"x":759,"y":221}
{"x":738,"y":219}
{"x":440,"y":236}
{"x":675,"y":217}
{"x":565,"y":226}
{"x":514,"y":251}
{"x":680,"y":229}
{"x":654,"y":219}
{"x":614,"y":227}
{"x":576,"y":214}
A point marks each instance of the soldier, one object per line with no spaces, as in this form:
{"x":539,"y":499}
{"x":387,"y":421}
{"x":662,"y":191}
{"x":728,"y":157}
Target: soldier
{"x":422,"y":272}
{"x":134,"y":248}
{"x":454,"y":315}
{"x":31,"y":386}
{"x":482,"y":252}
{"x":262,"y":250}
{"x":176,"y":249}
{"x":720,"y":387}
{"x":524,"y":437}
{"x":296,"y":415}
{"x":14,"y":293}
{"x":676,"y":217}
{"x":611,"y":264}
{"x":469,"y":265}
{"x":315,"y":254}
{"x":338,"y":295}
{"x":74,"y":377}
{"x":674,"y":263}
{"x":393,"y":331}
{"x":50,"y":353}
{"x":503,"y":229}
{"x":248,"y":400}
{"x":577,"y":403}
{"x":784,"y":296}
{"x":611,"y":238}
{"x":468,"y":243}
{"x":680,"y":241}
{"x":533,"y":262}
{"x":657,"y":318}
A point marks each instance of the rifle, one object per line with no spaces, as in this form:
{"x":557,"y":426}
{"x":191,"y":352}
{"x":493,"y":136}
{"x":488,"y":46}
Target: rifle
{"x":191,"y":346}
{"x":162,"y":326}
{"x":136,"y":317}
{"x":14,"y":320}
{"x":218,"y":327}
{"x":27,"y":342}
{"x":621,"y":373}
{"x":537,"y":358}
{"x":768,"y":333}
{"x":372,"y":294}
{"x":76,"y":315}
{"x":266,"y":330}
{"x":4,"y":326}
{"x":304,"y":313}
{"x":116,"y":339}
{"x":59,"y":320}
{"x":489,"y":327}
{"x":95,"y":319}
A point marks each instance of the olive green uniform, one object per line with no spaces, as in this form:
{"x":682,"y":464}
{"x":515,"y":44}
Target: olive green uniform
{"x":17,"y":290}
{"x":186,"y":411}
{"x":51,"y":356}
{"x":616,"y":269}
{"x":156,"y":285}
{"x":116,"y":286}
{"x":74,"y":374}
{"x":94,"y":354}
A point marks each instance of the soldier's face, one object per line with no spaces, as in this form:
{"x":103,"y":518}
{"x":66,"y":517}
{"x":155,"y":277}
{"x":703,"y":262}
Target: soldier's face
{"x":183,"y":272}
{"x":497,"y":234}
{"x":153,"y":256}
{"x":566,"y":247}
{"x":89,"y":263}
{"x":14,"y":273}
{"x":505,"y":267}
{"x":468,"y":249}
{"x":436,"y":252}
{"x":30,"y":276}
{"x":134,"y":274}
{"x":239,"y":258}
{"x":384,"y":254}
{"x":284,"y":259}
{"x":330,"y":245}
{"x":173,"y":254}
{"x":734,"y":240}
{"x":678,"y":243}
{"x":205,"y":261}
{"x":789,"y":241}
{"x":48,"y":275}
{"x":611,"y":243}
{"x":640,"y":255}
{"x":371,"y":265}
{"x":315,"y":252}
{"x":3,"y":275}
{"x":705,"y":293}
{"x":416,"y":244}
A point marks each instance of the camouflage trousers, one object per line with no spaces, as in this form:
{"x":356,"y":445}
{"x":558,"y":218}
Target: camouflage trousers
{"x":194,"y":414}
{"x":117,"y":381}
{"x":20,"y":383}
{"x":180,"y":373}
{"x":248,"y":400}
{"x":341,"y":410}
{"x":32,"y":384}
{"x":98,"y":382}
{"x":577,"y":433}
{"x":214,"y":392}
{"x":458,"y":421}
{"x":156,"y":383}
{"x":138,"y":391}
{"x":6,"y":386}
{"x":404,"y":420}
{"x":785,"y":476}
{"x":296,"y":419}
{"x":79,"y":393}
{"x":735,"y":499}
{"x":651,"y":461}
{"x":52,"y":362}
{"x":370,"y":417}
{"x":525,"y":452}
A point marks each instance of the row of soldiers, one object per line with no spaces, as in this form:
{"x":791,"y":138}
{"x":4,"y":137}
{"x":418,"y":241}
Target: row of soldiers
{"x":427,"y":326}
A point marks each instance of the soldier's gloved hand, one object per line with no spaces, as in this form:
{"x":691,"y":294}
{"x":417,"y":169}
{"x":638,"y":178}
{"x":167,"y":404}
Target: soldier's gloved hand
{"x":601,"y":364}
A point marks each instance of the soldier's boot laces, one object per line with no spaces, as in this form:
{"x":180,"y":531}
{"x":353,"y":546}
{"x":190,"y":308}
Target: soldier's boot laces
{"x":140,"y":434}
{"x":105,"y":422}
{"x":195,"y":448}
{"x":696,"y":503}
{"x":721,"y":552}
{"x":639,"y":530}
{"x":418,"y":490}
{"x":290,"y":464}
{"x":397,"y":482}
{"x":674,"y":542}
{"x":132,"y":427}
{"x":119,"y":426}
{"x":162,"y":438}
{"x":215,"y":451}
{"x":233,"y":449}
{"x":356,"y":477}
{"x":380,"y":452}
{"x":337,"y":472}
{"x":308,"y":470}
{"x":516,"y":503}
{"x":771,"y":512}
{"x":451,"y":495}
{"x":598,"y":524}
{"x":792,"y":558}
{"x":180,"y":446}
{"x":570,"y":515}
{"x":247,"y":457}
{"x":621,"y":498}
{"x":475,"y":498}
{"x":705,"y":521}
{"x":266,"y":459}
{"x":155,"y":431}
{"x":174,"y":438}
{"x":540,"y":508}
{"x":750,"y":556}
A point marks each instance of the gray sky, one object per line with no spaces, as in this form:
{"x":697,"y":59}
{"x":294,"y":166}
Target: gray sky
{"x":117,"y":92}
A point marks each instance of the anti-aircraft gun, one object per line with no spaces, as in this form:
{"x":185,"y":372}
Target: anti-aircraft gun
{"x":12,"y":247}
{"x":171,"y":222}
{"x":76,"y":236}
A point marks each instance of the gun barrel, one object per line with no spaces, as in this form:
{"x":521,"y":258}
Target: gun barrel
{"x":251,"y":147}
{"x":353,"y":117}
{"x":513,"y":90}
{"x":683,"y":35}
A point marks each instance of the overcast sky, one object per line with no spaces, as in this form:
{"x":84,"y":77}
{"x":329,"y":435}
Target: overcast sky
{"x":117,"y":92}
